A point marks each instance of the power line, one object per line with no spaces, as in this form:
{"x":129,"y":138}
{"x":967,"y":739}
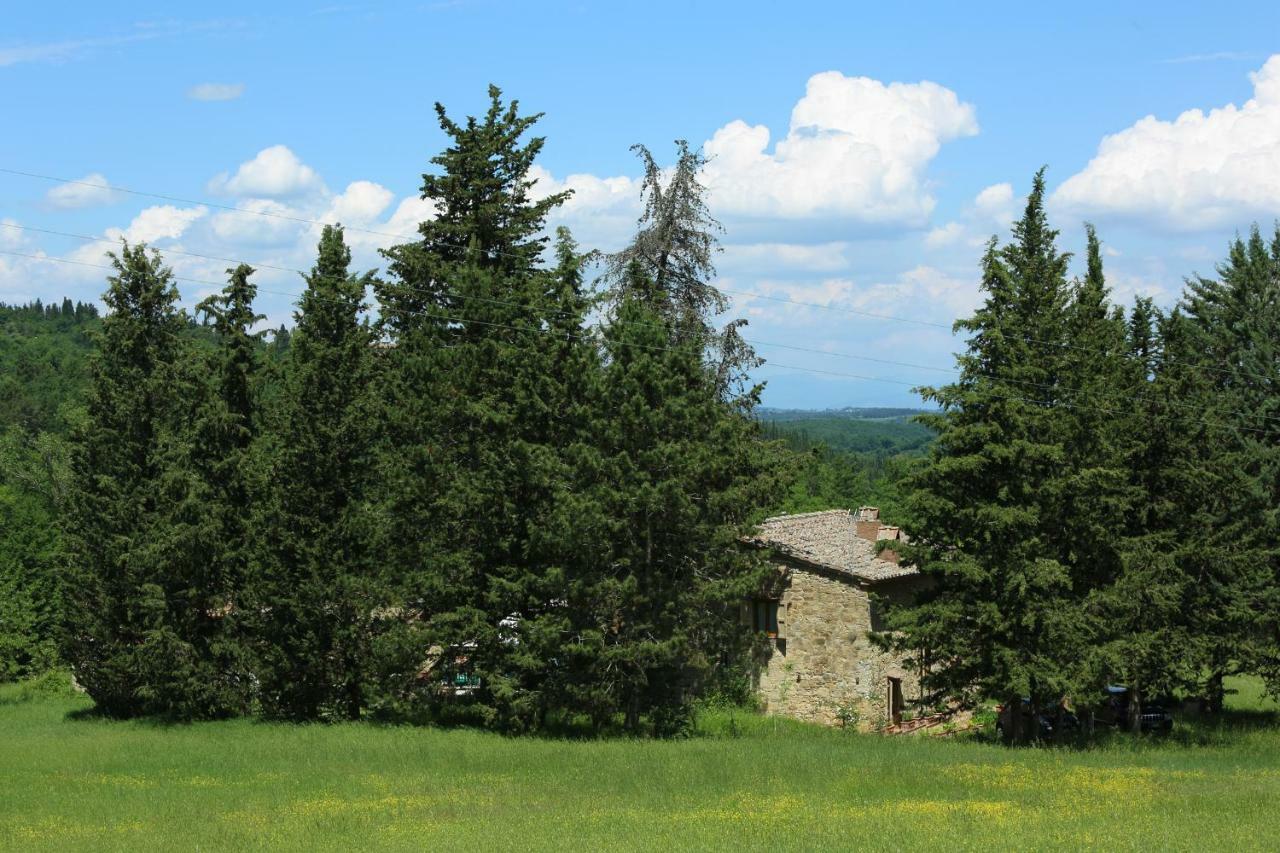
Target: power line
{"x":437,"y":242}
{"x":754,"y":342}
{"x":798,"y":368}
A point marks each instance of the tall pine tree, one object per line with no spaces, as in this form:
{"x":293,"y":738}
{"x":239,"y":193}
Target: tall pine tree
{"x":318,"y":587}
{"x":129,"y":615}
{"x":1235,"y":320}
{"x":1003,"y":617}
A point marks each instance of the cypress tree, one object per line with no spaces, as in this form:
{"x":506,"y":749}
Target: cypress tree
{"x":682,"y":476}
{"x":318,"y":588}
{"x":1147,"y":638}
{"x":127,"y":613}
{"x":1235,"y":320}
{"x":207,"y":495}
{"x":1003,"y":617}
{"x":675,"y":243}
{"x":472,"y":395}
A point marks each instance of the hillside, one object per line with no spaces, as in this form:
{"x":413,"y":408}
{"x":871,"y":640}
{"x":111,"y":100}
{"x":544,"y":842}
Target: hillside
{"x":880,"y":431}
{"x":44,"y":354}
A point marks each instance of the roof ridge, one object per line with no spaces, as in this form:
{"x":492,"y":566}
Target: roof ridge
{"x":808,"y":514}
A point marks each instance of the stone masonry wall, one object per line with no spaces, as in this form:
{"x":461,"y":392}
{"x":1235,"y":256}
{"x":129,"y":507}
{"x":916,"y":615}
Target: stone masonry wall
{"x":828,"y":662}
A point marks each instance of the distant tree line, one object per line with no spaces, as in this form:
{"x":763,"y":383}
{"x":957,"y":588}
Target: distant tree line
{"x":1100,"y":504}
{"x":470,"y":504}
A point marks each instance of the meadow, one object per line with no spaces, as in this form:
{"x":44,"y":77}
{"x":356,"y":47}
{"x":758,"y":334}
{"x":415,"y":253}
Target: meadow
{"x":69,"y":781}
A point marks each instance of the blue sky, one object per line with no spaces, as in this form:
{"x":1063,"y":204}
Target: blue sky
{"x":862,"y":154}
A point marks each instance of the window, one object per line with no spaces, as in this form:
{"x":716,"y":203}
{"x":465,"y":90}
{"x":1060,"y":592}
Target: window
{"x":764,"y":616}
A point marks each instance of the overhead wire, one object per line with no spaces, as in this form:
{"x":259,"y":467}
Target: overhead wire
{"x":753,"y":341}
{"x":539,"y":330}
{"x":498,"y":253}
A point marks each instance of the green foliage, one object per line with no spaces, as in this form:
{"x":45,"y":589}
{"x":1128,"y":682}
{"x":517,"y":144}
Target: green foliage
{"x":847,"y":460}
{"x":682,"y":476}
{"x":136,"y":601}
{"x":315,"y":587}
{"x":1232,"y":338}
{"x":990,"y":514}
{"x":30,"y":596}
{"x":852,"y":432}
{"x":44,"y":352}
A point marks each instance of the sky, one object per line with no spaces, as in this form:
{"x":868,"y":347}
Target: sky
{"x":860,"y":155}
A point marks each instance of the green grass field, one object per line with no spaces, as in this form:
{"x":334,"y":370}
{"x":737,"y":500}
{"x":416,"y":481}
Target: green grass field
{"x":745,"y":783}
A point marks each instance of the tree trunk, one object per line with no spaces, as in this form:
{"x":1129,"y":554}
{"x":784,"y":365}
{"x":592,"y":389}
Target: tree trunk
{"x":632,"y":723}
{"x":1214,"y":693}
{"x":1014,"y":704}
{"x":1135,"y":710}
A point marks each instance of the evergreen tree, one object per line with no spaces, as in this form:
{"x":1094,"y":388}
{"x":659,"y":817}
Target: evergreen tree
{"x":1235,"y":320}
{"x":1147,"y":639}
{"x":682,"y":476}
{"x":317,"y":589}
{"x":129,"y":615}
{"x":675,"y":243}
{"x":474,"y":391}
{"x":1003,"y":617}
{"x":207,"y":491}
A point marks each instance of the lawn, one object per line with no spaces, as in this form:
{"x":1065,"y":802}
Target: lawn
{"x":745,"y":783}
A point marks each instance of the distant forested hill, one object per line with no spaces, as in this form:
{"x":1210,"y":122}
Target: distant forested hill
{"x":844,"y":458}
{"x":44,"y":354}
{"x":44,"y":362}
{"x":879,"y":431}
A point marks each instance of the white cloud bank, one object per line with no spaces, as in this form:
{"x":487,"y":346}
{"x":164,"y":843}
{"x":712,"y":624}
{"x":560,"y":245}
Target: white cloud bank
{"x":161,"y":222}
{"x":215,"y":91}
{"x":857,"y":151}
{"x":88,"y":191}
{"x":1199,"y":171}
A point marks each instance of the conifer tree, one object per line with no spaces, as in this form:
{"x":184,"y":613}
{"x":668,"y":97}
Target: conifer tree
{"x":683,"y":475}
{"x":129,"y":615}
{"x":676,"y":242}
{"x":318,"y":588}
{"x":1003,"y":617}
{"x":1235,"y":319}
{"x":1147,"y":639}
{"x":472,"y":390}
{"x":207,"y":499}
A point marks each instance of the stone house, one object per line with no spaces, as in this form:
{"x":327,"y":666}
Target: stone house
{"x":826,"y":596}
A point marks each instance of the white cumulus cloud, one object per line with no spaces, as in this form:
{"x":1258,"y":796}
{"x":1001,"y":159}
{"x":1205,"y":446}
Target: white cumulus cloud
{"x":275,"y":172}
{"x":992,"y":211}
{"x":215,"y":91}
{"x":856,"y":148}
{"x":1201,"y":170}
{"x":160,"y":222}
{"x":259,"y":222}
{"x":88,"y":191}
{"x":857,"y":151}
{"x":359,"y":203}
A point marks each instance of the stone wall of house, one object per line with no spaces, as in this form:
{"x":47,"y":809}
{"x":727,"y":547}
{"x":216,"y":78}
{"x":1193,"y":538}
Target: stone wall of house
{"x":822,"y":661}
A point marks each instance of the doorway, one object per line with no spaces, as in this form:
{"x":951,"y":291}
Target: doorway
{"x":894,"y":701}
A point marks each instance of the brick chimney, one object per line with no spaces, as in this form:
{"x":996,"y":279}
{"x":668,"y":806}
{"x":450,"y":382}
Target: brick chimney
{"x":867,"y":523}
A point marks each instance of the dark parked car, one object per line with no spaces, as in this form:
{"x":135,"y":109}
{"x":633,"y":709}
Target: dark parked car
{"x":1114,"y":710}
{"x":1046,"y":721}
